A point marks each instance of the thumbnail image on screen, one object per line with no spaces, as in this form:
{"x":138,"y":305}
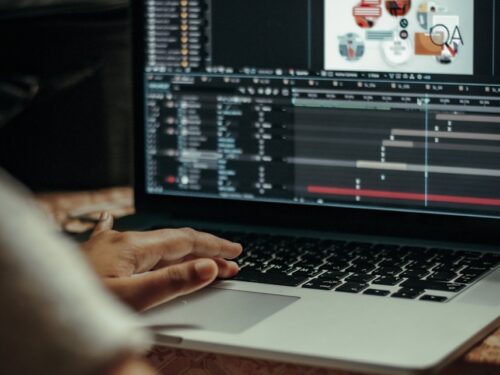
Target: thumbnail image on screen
{"x":434,"y":37}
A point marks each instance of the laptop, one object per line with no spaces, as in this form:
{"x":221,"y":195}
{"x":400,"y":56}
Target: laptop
{"x":352,"y":147}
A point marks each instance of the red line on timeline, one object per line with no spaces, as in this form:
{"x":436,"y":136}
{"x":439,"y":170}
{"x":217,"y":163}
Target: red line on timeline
{"x":402,"y":196}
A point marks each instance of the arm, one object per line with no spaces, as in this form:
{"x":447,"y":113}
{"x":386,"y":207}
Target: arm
{"x":55,"y":316}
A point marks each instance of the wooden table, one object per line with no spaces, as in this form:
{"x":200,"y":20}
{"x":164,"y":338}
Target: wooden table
{"x":484,"y":359}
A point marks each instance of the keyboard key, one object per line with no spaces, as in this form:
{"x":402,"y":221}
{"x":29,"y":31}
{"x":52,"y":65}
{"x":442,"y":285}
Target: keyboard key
{"x":334,"y":266}
{"x":469,"y":254}
{"x":392,"y":263}
{"x":252,"y":268}
{"x":446,"y":259}
{"x":278,"y":271}
{"x":420,"y":265}
{"x":377,"y":292}
{"x":423,"y":257}
{"x":432,"y":285}
{"x":470,"y":271}
{"x":306,"y":273}
{"x":360,"y":278}
{"x":431,"y":298}
{"x":442,"y":276}
{"x":467,"y":279}
{"x":308,"y":263}
{"x":351,"y":287}
{"x":447,"y":267}
{"x":273,"y":279}
{"x":259,"y":258}
{"x":408,"y":293}
{"x":388,"y":271}
{"x":367,"y":258}
{"x":445,"y":252}
{"x":387,"y":280}
{"x":280,"y":265}
{"x":312,"y":255}
{"x":333,"y":275}
{"x":321,"y":284}
{"x":361,"y":268}
{"x":284,"y":259}
{"x":417,"y":273}
{"x":477,"y":263}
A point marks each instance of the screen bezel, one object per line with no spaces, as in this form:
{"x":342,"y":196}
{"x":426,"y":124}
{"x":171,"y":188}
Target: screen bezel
{"x":440,"y":227}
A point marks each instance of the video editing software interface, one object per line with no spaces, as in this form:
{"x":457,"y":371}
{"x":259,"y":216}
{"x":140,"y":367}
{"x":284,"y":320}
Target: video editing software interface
{"x":391,"y":105}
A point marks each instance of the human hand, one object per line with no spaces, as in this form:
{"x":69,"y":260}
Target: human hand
{"x":145,"y":269}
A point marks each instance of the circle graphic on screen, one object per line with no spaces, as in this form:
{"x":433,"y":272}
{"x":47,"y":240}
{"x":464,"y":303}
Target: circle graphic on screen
{"x":398,"y":8}
{"x":366,"y":13}
{"x":397,"y":51}
{"x":351,"y":47}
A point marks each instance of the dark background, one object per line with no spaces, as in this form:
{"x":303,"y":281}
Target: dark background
{"x":76,"y":132}
{"x":268,"y":34}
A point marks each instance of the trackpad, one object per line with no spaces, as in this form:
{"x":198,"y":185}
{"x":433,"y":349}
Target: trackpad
{"x":219,"y":310}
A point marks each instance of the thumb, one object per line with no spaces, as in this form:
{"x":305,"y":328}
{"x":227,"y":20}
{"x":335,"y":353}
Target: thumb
{"x":105,"y":223}
{"x":156,"y":287}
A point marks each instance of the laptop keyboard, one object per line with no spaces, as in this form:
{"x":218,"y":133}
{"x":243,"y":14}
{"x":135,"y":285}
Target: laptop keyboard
{"x":384,"y":270}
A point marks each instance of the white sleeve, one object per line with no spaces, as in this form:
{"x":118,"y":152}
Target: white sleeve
{"x":55,"y":317}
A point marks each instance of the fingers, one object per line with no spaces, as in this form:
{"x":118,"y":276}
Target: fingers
{"x":151,"y":289}
{"x":175,"y":244}
{"x":105,"y":223}
{"x":227,"y":268}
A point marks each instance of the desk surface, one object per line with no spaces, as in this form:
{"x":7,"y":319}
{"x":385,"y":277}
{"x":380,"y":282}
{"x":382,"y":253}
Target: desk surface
{"x":483,"y":359}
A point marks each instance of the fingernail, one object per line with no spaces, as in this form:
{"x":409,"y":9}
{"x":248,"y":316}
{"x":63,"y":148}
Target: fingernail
{"x":204,"y":268}
{"x":104,"y":216}
{"x":236,"y":268}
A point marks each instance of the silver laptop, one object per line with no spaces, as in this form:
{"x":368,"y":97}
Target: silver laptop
{"x":352,"y":147}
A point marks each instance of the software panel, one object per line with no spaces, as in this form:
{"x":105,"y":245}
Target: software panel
{"x":375,"y":104}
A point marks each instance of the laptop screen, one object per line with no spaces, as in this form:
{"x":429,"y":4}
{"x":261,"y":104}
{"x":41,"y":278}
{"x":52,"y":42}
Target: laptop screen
{"x":367,"y":104}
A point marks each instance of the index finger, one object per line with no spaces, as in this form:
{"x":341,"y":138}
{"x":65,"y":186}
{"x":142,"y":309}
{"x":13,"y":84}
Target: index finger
{"x":174,"y":244}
